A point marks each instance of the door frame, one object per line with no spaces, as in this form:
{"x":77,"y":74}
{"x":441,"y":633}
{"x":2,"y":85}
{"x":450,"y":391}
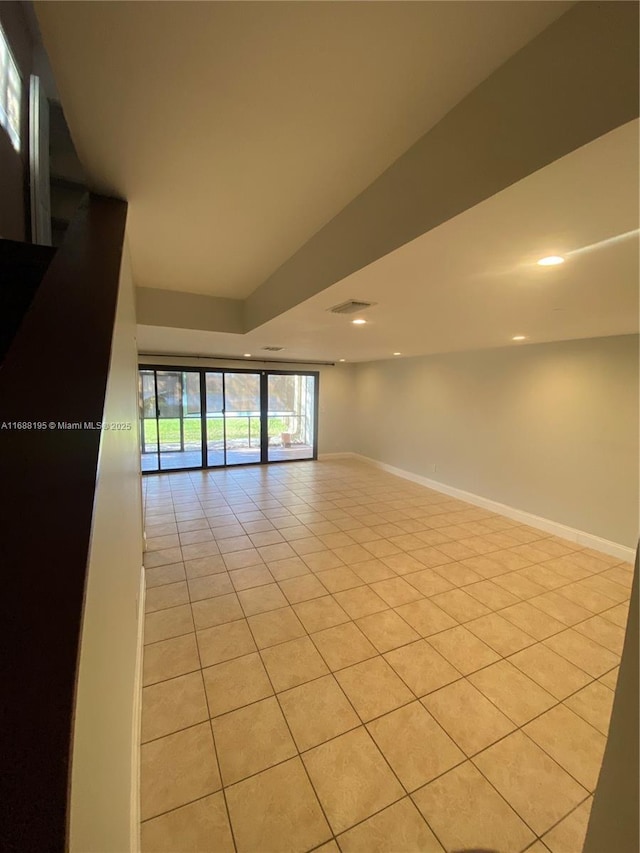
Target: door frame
{"x":264,"y":402}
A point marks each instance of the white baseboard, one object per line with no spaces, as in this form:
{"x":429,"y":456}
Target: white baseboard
{"x":344,"y":455}
{"x":587,"y":540}
{"x":137,"y":718}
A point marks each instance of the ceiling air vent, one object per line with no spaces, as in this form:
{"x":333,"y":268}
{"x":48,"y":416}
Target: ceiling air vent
{"x":273,"y":349}
{"x":352,"y":306}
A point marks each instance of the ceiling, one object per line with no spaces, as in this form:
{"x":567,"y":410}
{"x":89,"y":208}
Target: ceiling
{"x":236,"y":130}
{"x":473,"y":282}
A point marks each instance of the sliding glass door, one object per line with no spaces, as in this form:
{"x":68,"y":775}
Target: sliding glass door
{"x":171,"y":419}
{"x":290,"y":416}
{"x":201,"y":418}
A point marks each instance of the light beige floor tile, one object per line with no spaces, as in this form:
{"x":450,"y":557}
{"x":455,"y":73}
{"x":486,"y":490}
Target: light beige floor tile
{"x":514,"y":693}
{"x":152,"y":559}
{"x":571,"y":741}
{"x":277,"y":810}
{"x":470,"y":719}
{"x":320,"y":561}
{"x":373,"y":688}
{"x":308,"y":545}
{"x":172,"y":705}
{"x":402,"y":564}
{"x":293,"y":663}
{"x":340,"y":578}
{"x":204,"y":566}
{"x":225,"y":642}
{"x":593,"y":703}
{"x":428,"y":582}
{"x":463,"y":649}
{"x":164,"y":624}
{"x":361,"y":601}
{"x":399,"y":827}
{"x":421,"y":667}
{"x":352,"y":779}
{"x":485,"y":566}
{"x":192,"y":537}
{"x":610,"y":679}
{"x":531,"y":620}
{"x":517,"y":585}
{"x":280,"y":551}
{"x":302,"y":588}
{"x":491,"y":595}
{"x":343,"y":645}
{"x":264,"y":537}
{"x":251,"y":739}
{"x":618,"y":615}
{"x":560,"y":608}
{"x":550,"y":670}
{"x":459,"y":605}
{"x":290,"y":568}
{"x":458,"y":574}
{"x":372,"y":571}
{"x":387,"y":630}
{"x":275,"y":626}
{"x":570,"y":833}
{"x":317,"y":711}
{"x":231,"y":544}
{"x":216,"y":611}
{"x":202,"y":826}
{"x":381,"y":548}
{"x":329,"y":847}
{"x":336,"y":539}
{"x":260,"y":599}
{"x":604,"y":632}
{"x":351,"y":554}
{"x":425,"y":617}
{"x":177,"y":769}
{"x":396,"y":591}
{"x":537,"y":788}
{"x":172,"y":573}
{"x":415,"y":746}
{"x":544,"y":575}
{"x":252,"y":576}
{"x":586,"y":597}
{"x":583,"y":652}
{"x":242,"y":559}
{"x":503,"y":636}
{"x":210,"y":586}
{"x":200,"y":549}
{"x":236,"y":683}
{"x":511,"y":563}
{"x":320,"y":613}
{"x":170,"y":658}
{"x":467,"y":813}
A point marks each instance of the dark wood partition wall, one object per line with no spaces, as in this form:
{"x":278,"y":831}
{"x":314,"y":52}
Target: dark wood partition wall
{"x":53,"y":378}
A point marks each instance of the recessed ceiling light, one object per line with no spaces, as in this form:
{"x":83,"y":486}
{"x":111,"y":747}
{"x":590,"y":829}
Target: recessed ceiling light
{"x":359,"y":322}
{"x":247,"y":355}
{"x":342,"y":359}
{"x":397,"y":353}
{"x":518,"y":338}
{"x":550,"y":261}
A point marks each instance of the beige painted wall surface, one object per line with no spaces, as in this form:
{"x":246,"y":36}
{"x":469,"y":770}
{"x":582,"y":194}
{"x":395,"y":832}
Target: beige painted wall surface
{"x":335,"y":415}
{"x":104,"y":744}
{"x":551,"y":429}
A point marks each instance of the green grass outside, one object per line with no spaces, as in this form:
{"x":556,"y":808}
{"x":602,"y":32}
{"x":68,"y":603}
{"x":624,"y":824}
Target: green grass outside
{"x":237,"y":428}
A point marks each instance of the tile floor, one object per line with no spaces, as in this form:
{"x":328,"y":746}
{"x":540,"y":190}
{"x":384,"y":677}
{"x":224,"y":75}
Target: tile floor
{"x":340,"y":660}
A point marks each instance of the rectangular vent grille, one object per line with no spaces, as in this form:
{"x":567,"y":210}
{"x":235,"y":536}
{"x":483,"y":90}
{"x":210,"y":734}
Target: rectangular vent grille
{"x":273,"y":349}
{"x":350,"y":307}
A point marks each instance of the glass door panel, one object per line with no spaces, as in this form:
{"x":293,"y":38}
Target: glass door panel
{"x":290,"y":416}
{"x":148,"y":422}
{"x":214,"y":385}
{"x":179,"y":419}
{"x":242,"y":418}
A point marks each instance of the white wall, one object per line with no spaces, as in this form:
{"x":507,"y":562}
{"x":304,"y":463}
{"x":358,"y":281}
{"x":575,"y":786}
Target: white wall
{"x":103,"y":807}
{"x":550,"y":429}
{"x":335,"y":415}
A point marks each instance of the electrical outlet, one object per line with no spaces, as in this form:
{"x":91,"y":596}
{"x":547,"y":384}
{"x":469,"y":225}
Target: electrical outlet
{"x":434,"y":468}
